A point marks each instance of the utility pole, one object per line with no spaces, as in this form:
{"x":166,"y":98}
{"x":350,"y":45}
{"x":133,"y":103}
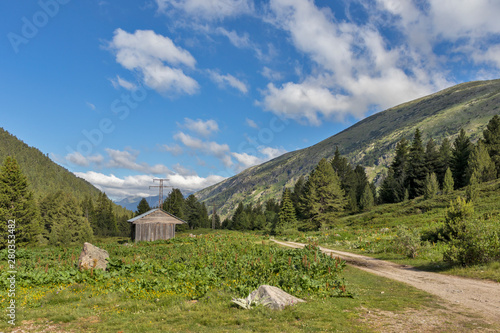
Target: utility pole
{"x":160,"y":189}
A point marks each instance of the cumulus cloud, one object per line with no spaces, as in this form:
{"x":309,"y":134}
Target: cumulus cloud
{"x":124,"y":159}
{"x":221,"y":151}
{"x":201,"y":127}
{"x":228,"y":79}
{"x":360,"y":70}
{"x":154,"y":56}
{"x":206,"y":9}
{"x":78,"y":159}
{"x":138,"y":185}
{"x":175,"y":149}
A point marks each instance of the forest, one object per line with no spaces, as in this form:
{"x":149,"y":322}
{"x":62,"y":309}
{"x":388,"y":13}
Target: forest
{"x":334,"y":188}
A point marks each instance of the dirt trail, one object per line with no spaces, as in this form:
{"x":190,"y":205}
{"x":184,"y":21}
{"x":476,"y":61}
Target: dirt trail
{"x":482,"y":297}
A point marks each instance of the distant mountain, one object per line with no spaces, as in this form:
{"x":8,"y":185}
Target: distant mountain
{"x":131,"y":202}
{"x":370,"y":142}
{"x":44,"y":175}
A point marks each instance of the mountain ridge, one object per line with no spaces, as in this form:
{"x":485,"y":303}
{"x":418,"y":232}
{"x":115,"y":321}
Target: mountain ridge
{"x":369,"y":142}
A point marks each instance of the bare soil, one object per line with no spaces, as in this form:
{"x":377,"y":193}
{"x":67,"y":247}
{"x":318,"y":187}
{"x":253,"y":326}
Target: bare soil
{"x":462,"y":297}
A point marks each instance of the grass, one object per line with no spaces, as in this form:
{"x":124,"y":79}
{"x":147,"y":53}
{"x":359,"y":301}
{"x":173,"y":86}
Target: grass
{"x":98,"y":303}
{"x":373,"y":233}
{"x":75,"y":308}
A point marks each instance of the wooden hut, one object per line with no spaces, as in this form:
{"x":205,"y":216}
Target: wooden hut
{"x":154,"y":225}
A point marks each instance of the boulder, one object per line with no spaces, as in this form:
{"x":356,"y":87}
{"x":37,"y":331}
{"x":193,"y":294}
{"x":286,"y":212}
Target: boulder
{"x":93,"y":257}
{"x":272,"y":297}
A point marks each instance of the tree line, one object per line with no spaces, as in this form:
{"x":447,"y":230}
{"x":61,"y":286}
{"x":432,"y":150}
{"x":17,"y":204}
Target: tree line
{"x":56,"y":218}
{"x":336,"y":187}
{"x":189,"y":209}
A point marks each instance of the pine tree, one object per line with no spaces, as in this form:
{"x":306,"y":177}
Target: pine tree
{"x":367,"y":199}
{"x":448,"y":184}
{"x":387,"y":192}
{"x":17,"y":204}
{"x":324,"y":197}
{"x":175,"y":203}
{"x":444,"y":162}
{"x":417,"y":170}
{"x":297,"y":195}
{"x":69,"y":224}
{"x":142,"y":207}
{"x":399,"y":168}
{"x":431,"y":186}
{"x":460,"y":159}
{"x":432,"y":157}
{"x":286,"y":216}
{"x":105,"y":219}
{"x":481,"y":164}
{"x":491,"y":136}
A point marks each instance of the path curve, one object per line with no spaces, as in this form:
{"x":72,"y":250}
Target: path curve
{"x":483,"y":297}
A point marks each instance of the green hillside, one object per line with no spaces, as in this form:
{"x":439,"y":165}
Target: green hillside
{"x":370,"y":142}
{"x":45,"y":176}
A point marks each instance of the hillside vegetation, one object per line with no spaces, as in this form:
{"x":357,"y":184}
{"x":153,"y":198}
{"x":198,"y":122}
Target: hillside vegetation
{"x":370,"y":142}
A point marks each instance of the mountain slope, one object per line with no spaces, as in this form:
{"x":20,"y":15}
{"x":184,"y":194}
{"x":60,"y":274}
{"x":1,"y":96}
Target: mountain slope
{"x":369,"y":142}
{"x":44,"y":176}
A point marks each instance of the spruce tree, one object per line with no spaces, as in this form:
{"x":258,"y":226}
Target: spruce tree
{"x":491,"y":136}
{"x":460,"y":159}
{"x":367,"y":199}
{"x":399,"y":168}
{"x":175,"y":203}
{"x":431,"y":186}
{"x":432,"y":157}
{"x":69,"y":223}
{"x":444,"y":162}
{"x":286,"y":216}
{"x":142,"y":207}
{"x":481,"y":164}
{"x":17,"y":204}
{"x":417,"y":169}
{"x":448,"y":184}
{"x":324,"y":197}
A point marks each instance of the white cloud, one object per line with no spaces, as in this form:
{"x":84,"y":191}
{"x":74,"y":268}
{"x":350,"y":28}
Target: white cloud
{"x":251,"y":123}
{"x":228,"y":79}
{"x":359,"y":69}
{"x":238,"y":41}
{"x":119,"y":82}
{"x":221,"y":151}
{"x":203,"y":128}
{"x":271,"y":74}
{"x":207,"y":9}
{"x":127,"y":160}
{"x":148,"y":52}
{"x":175,"y":150}
{"x":78,"y":159}
{"x":138,"y":185}
{"x":271,"y":152}
{"x":246,"y":160}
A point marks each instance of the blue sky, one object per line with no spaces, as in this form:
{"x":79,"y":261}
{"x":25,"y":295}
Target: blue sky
{"x":121,"y":92}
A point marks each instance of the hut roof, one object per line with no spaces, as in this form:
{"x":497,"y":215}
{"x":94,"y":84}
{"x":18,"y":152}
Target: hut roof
{"x":156,"y":215}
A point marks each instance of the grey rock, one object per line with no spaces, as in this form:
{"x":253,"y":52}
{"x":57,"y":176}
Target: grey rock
{"x":93,"y":257}
{"x":273,"y":297}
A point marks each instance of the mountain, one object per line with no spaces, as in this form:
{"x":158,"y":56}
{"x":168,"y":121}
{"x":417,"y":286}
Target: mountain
{"x":44,"y":176}
{"x":370,"y":142}
{"x":131,"y":202}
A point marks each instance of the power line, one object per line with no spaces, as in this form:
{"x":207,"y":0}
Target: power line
{"x":160,"y":189}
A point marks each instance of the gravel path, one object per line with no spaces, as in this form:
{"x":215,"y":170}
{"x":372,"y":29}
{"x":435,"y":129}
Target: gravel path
{"x":482,"y":297}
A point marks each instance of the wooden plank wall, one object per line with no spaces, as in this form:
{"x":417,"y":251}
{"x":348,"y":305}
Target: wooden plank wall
{"x":154,"y":231}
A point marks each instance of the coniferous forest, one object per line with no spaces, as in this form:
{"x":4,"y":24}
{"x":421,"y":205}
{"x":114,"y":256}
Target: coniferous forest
{"x":334,"y":188}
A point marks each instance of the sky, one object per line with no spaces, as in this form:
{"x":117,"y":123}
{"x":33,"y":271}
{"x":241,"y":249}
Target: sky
{"x":195,"y":91}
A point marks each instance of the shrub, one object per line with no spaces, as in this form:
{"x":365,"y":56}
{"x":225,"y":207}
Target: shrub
{"x":471,"y":241}
{"x":407,"y":241}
